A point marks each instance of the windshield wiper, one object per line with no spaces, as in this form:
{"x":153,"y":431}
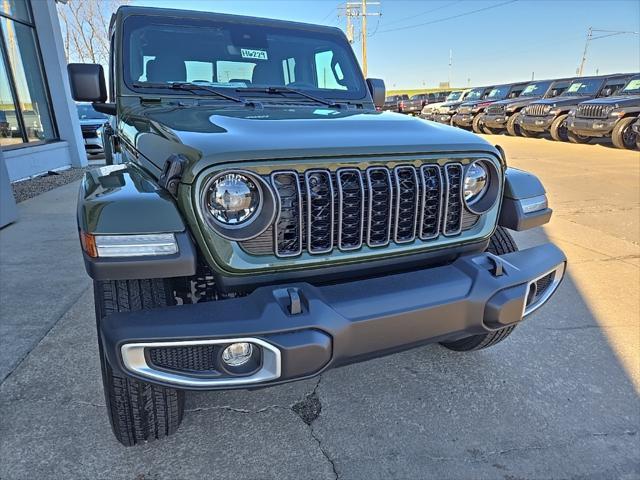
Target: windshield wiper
{"x":190,"y":87}
{"x":281,"y":90}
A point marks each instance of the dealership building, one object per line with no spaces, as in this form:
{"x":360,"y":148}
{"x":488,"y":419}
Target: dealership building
{"x":39,"y":126}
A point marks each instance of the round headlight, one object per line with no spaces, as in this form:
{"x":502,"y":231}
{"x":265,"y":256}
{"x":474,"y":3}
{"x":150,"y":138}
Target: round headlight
{"x":233,"y":198}
{"x":476,"y":181}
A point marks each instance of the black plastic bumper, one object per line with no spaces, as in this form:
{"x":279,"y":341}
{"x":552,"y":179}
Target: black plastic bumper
{"x":591,"y":127}
{"x":347,"y":322}
{"x":495,"y":120}
{"x":463,"y":119}
{"x":536,"y":124}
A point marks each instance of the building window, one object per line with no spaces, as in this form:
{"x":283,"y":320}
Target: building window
{"x":25,"y":111}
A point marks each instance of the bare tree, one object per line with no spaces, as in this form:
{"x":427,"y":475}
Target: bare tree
{"x":85,"y":29}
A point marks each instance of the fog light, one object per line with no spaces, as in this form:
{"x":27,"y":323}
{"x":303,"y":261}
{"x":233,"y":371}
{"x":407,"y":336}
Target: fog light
{"x":237,"y":354}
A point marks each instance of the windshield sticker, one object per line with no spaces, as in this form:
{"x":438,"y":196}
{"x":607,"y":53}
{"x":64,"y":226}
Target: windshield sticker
{"x":254,"y":54}
{"x":633,"y":85}
{"x":574,"y":87}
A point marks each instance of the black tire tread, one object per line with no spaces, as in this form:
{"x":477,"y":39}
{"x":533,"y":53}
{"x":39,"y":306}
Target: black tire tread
{"x":512,"y":126}
{"x":554,"y":130}
{"x":138,"y":411}
{"x":501,"y":242}
{"x":618,"y":131}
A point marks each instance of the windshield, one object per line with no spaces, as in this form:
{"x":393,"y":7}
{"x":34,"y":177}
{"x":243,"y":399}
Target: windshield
{"x":453,"y":96}
{"x":475,"y":94}
{"x":232,"y":55}
{"x":86,"y":112}
{"x":632,"y":87}
{"x":499,"y":92}
{"x":535,"y":89}
{"x":583,"y":87}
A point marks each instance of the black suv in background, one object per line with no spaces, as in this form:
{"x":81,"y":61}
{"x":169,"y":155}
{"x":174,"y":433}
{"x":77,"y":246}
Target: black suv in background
{"x":550,"y":114}
{"x":610,"y":116}
{"x":470,"y":113}
{"x":504,"y":115}
{"x":447,"y":111}
{"x":392,"y":102}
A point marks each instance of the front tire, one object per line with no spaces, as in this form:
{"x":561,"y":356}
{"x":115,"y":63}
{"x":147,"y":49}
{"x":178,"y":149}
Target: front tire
{"x":558,"y":130}
{"x":476,"y":125}
{"x":138,"y":411}
{"x":623,"y":135}
{"x":500,"y":243}
{"x":513,"y":128}
{"x":575,"y":138}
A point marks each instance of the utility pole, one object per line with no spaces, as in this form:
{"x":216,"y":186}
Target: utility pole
{"x":590,"y":38}
{"x":450,"y":64}
{"x":359,"y":9}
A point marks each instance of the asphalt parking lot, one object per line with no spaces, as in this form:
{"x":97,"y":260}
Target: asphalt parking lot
{"x":558,"y":399}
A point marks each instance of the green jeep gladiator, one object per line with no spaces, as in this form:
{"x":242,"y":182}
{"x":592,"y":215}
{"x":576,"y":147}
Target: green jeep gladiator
{"x":259,"y":221}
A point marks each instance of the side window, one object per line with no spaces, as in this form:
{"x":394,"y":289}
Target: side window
{"x":326,"y":76}
{"x":228,"y":71}
{"x":289,"y":70}
{"x":615,"y":87}
{"x":199,"y":71}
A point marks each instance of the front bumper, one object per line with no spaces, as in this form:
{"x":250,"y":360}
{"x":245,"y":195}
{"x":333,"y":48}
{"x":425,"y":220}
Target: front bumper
{"x":591,"y":127}
{"x":495,"y":120}
{"x":536,"y":124}
{"x":444,"y":118}
{"x":463,"y":119}
{"x":340,"y":323}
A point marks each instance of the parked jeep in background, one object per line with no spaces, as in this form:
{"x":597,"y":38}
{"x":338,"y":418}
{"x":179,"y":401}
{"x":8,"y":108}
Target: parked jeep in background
{"x":446,"y":111}
{"x":608,"y":117}
{"x":416,"y":103}
{"x":430,"y":109}
{"x":504,"y":115}
{"x":470,"y":113}
{"x":91,"y":123}
{"x":550,"y":114}
{"x":268,"y":223}
{"x":392,"y":103}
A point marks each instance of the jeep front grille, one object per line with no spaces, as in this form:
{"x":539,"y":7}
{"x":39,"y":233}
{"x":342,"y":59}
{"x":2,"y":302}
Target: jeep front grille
{"x":321,"y":210}
{"x":591,"y":111}
{"x":464,"y":110}
{"x":495,"y":109}
{"x":537,"y":110}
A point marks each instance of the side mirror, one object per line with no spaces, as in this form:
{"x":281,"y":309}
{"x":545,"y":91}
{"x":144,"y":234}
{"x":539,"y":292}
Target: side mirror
{"x":554,"y":93}
{"x":88,"y":85}
{"x":607,"y":92}
{"x":378,"y":91}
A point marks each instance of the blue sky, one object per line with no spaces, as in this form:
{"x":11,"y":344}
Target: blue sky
{"x":501,"y":44}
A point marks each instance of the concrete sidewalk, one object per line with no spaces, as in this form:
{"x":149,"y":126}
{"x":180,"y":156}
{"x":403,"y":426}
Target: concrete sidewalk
{"x":41,"y":272}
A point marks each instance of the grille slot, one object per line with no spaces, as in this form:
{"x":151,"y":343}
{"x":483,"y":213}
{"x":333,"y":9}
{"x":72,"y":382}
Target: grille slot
{"x":350,"y":208}
{"x":591,"y":111}
{"x":321,"y":210}
{"x":431,"y":180}
{"x":453,"y":204}
{"x":288,"y":228}
{"x":319,"y":187}
{"x":406,"y":215}
{"x":380,"y":191}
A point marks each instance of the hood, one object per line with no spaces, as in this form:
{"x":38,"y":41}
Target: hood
{"x":211,"y":135}
{"x":617,"y":102}
{"x":93,"y":121}
{"x":518,"y":101}
{"x":563,"y":101}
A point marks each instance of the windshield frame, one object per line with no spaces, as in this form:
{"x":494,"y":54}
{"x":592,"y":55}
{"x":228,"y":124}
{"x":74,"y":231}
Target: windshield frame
{"x":135,"y":21}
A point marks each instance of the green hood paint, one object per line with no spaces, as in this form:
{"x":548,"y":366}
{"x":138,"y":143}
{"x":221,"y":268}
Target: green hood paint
{"x":211,"y":135}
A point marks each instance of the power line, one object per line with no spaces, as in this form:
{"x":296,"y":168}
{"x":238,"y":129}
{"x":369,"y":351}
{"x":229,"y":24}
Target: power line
{"x":411,"y":17}
{"x":449,"y":17}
